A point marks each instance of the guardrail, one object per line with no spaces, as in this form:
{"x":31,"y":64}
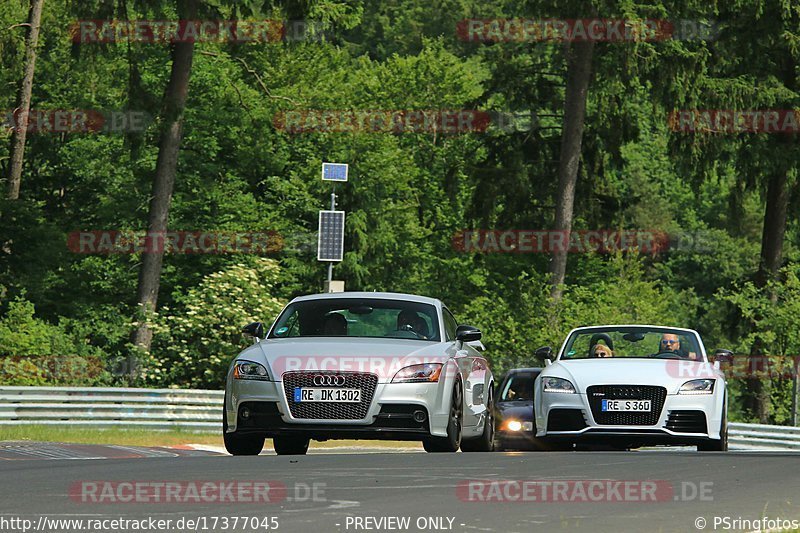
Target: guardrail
{"x":763,"y":436}
{"x":191,"y":410}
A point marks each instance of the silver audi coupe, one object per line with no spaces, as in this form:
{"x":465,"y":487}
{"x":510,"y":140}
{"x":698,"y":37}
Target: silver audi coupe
{"x":360,"y":365}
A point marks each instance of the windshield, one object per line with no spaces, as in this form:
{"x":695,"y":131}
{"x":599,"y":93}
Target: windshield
{"x":358,"y":317}
{"x":616,"y":342}
{"x":517,"y":388}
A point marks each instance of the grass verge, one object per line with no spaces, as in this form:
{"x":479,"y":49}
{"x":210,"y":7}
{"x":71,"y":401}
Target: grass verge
{"x":142,"y":437}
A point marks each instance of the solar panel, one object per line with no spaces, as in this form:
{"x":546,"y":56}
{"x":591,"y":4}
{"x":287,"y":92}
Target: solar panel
{"x":334,"y":171}
{"x":330,"y":246}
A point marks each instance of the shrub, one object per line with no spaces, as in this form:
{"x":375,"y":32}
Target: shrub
{"x":34,"y":352}
{"x":195,"y":342}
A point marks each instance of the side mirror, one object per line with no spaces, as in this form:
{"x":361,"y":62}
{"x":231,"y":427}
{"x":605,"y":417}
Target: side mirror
{"x":545,"y":353}
{"x":468,"y":333}
{"x":254,"y":329}
{"x":723,"y":356}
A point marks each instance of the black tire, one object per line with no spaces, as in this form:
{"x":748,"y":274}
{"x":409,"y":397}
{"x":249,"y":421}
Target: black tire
{"x":239,"y":444}
{"x":290,"y":445}
{"x":721,"y":444}
{"x":452,"y":441}
{"x":484,"y":443}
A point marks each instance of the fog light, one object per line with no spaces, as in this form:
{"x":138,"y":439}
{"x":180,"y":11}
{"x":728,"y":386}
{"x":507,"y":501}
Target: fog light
{"x":244,"y":413}
{"x":419,"y":416}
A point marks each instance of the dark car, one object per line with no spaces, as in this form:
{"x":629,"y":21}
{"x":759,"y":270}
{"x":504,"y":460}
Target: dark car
{"x":513,"y":402}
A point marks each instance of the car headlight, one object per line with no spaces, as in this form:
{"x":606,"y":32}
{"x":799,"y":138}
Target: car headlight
{"x":427,"y":372}
{"x":558,"y":385}
{"x":697,"y":386}
{"x":516,"y":425}
{"x":250,"y":370}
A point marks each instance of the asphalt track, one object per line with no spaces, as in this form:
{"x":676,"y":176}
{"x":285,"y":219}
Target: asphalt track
{"x":746,"y":485}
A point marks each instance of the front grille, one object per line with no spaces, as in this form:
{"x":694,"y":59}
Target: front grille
{"x":687,"y":422}
{"x":330,"y":411}
{"x":596,"y":394}
{"x":565,"y":420}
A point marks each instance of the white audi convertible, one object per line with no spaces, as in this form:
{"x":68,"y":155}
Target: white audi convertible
{"x":630,"y":386}
{"x":360,"y":365}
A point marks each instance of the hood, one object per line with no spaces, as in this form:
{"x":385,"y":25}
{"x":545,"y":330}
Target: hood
{"x":669,"y":373}
{"x":381,"y":356}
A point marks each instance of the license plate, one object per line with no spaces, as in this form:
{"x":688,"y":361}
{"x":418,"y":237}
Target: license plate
{"x":626,"y":405}
{"x":305,"y":394}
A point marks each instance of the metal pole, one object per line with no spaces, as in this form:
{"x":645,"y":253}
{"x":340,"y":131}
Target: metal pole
{"x":330,"y":263}
{"x":794,"y":389}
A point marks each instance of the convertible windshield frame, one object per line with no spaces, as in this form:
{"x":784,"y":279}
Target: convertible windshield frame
{"x":304,"y":318}
{"x":690,"y":342}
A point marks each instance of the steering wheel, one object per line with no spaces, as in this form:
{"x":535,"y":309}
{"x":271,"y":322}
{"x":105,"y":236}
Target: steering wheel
{"x":406,"y":329}
{"x":411,"y":330}
{"x":669,"y":355}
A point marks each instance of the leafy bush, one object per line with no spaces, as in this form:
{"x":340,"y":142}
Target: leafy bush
{"x":34,"y":352}
{"x":22,"y":334}
{"x":195,"y":342}
{"x":772,"y":319}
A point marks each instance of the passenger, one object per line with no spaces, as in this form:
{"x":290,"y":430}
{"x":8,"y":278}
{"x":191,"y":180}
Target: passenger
{"x":601,"y":350}
{"x":597,"y":339}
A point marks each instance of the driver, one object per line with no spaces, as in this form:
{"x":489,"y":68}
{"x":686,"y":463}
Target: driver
{"x":409,"y":320}
{"x":335,"y":325}
{"x":672,"y":343}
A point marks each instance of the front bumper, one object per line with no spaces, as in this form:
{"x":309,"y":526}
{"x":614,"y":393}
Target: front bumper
{"x":683,"y":420}
{"x":390,"y":414}
{"x":394,"y":422}
{"x":516,"y":439}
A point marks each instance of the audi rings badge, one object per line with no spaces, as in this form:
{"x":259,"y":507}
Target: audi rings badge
{"x":329,"y":380}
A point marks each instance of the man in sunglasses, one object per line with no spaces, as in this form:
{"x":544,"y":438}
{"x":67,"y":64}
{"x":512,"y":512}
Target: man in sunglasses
{"x":672,"y":343}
